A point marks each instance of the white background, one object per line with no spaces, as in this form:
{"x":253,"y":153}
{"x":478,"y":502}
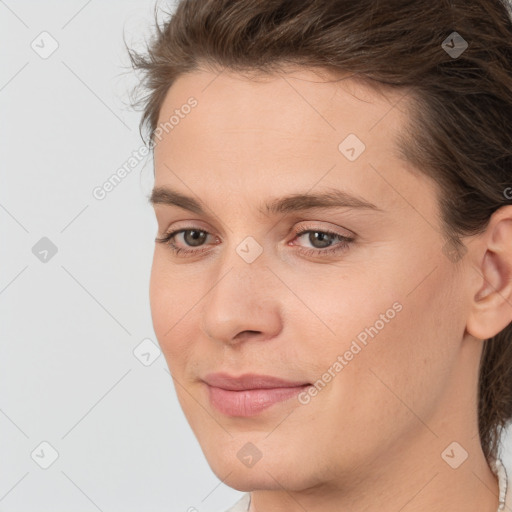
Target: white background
{"x":69,"y":325}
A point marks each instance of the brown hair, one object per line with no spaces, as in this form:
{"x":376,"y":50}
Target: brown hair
{"x":460,"y":123}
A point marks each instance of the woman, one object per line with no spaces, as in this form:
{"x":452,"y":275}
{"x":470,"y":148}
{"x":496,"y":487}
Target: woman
{"x":332,"y":278}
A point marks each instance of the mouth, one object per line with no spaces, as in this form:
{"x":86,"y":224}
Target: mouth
{"x":249,"y":394}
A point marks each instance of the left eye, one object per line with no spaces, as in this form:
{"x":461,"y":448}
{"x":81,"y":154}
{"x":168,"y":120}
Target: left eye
{"x":324,"y":237}
{"x":196,"y":237}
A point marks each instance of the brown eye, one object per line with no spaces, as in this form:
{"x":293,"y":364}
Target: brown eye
{"x":322,"y":242}
{"x":325,"y":239}
{"x":196,"y":237}
{"x":191,"y":237}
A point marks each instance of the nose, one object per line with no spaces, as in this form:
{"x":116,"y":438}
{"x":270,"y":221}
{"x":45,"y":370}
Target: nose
{"x":243,"y":301}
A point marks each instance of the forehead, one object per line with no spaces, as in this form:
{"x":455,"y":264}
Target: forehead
{"x":288,"y":95}
{"x":282,"y":130}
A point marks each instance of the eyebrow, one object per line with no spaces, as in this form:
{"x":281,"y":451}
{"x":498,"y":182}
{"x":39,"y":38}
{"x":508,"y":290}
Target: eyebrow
{"x":329,"y":198}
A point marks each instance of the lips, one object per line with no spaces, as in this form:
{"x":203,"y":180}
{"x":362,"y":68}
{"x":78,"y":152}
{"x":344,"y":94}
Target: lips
{"x":249,"y":381}
{"x":249,"y":394}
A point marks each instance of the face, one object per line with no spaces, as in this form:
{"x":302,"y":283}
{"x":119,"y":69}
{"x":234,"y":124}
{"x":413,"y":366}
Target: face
{"x":342,"y":294}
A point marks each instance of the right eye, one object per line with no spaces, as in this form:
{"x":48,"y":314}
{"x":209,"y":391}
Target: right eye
{"x":192,"y":237}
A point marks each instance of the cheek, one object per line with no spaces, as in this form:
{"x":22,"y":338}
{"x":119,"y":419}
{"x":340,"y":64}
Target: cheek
{"x":407,"y":365}
{"x":397,"y":333}
{"x":171,"y":301}
{"x":159,"y":298}
{"x":345,"y":306}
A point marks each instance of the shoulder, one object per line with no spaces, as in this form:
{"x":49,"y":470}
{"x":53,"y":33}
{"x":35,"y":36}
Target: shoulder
{"x":242,"y":505}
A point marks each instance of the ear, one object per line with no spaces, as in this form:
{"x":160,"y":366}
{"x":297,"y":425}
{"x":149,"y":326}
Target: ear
{"x":491,"y":304}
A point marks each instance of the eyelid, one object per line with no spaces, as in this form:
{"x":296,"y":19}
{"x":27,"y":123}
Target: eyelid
{"x":184,"y":224}
{"x":312,"y":225}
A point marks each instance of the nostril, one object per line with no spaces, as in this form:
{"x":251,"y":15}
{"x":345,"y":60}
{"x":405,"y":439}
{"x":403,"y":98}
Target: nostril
{"x":246,"y":334}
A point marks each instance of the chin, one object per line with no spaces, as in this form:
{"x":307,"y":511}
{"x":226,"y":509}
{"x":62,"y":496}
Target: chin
{"x":272,"y":472}
{"x":256,"y":479}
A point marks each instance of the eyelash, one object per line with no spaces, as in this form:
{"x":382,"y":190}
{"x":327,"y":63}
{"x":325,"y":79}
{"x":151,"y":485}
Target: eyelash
{"x":342,"y":246}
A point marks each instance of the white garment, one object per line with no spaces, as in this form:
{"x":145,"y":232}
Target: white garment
{"x":505,"y":483}
{"x":504,"y":480}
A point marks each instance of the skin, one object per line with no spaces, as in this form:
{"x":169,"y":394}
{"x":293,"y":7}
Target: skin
{"x":382,"y":423}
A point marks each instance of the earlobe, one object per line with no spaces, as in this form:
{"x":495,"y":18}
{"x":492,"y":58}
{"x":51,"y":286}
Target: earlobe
{"x":491,"y":309}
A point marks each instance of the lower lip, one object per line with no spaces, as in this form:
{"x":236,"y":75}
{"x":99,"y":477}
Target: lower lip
{"x":251,"y":401}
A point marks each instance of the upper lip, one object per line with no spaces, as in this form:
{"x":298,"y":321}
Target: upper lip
{"x":249,"y":381}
